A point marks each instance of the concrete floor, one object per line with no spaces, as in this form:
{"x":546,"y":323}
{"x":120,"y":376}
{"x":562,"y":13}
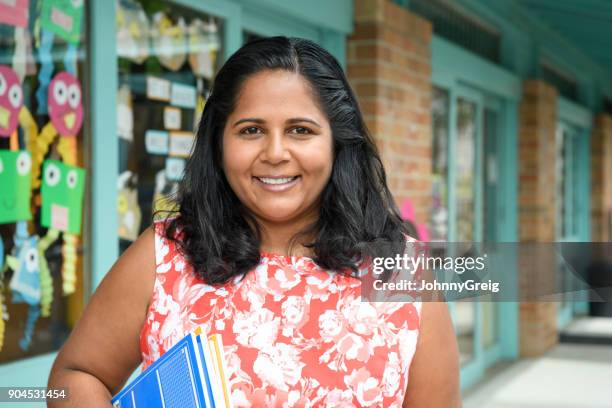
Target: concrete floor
{"x":568,"y":376}
{"x":590,"y":326}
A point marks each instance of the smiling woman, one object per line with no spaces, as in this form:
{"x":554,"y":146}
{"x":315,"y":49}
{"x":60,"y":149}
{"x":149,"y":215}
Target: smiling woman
{"x":277,"y":152}
{"x":281,"y":197}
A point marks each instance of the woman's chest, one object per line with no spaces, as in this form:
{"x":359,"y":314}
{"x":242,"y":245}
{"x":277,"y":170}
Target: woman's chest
{"x":302,"y":339}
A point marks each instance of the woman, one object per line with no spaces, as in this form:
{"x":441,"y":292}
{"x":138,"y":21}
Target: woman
{"x":284,"y":187}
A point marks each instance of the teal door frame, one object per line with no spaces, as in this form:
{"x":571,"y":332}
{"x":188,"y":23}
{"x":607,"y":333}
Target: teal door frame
{"x":468,"y":76}
{"x":576,"y":121}
{"x":333,"y":22}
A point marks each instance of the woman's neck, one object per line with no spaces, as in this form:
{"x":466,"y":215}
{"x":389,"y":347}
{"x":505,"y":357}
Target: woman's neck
{"x":277,"y":237}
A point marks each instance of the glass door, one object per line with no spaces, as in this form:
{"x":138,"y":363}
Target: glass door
{"x":466,"y":205}
{"x":569,"y":209}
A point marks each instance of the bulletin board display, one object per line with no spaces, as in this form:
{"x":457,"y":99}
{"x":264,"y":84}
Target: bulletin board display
{"x":167,"y":58}
{"x":44,"y":138}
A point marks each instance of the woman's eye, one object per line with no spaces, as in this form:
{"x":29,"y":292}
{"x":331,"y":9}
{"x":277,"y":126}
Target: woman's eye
{"x":251,"y":130}
{"x":301,"y":131}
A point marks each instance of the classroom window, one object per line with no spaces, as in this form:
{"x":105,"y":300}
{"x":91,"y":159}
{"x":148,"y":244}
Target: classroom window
{"x":167,"y":58}
{"x":44,"y":142}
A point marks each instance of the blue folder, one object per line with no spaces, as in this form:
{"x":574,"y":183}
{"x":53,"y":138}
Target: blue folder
{"x":178,"y":379}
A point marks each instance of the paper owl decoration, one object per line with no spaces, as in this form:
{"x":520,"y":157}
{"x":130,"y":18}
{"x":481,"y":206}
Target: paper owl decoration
{"x":11,"y":100}
{"x":65,"y":107}
{"x":62,"y":196}
{"x":66,"y":112}
{"x":15,"y":180}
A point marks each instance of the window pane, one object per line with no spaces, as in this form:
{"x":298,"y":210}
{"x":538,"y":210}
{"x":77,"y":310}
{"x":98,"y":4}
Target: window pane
{"x":162,"y":91}
{"x":439,"y":212}
{"x":44,"y":141}
{"x":465,"y":169}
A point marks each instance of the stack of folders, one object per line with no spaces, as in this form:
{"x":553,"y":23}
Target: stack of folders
{"x":191,"y":374}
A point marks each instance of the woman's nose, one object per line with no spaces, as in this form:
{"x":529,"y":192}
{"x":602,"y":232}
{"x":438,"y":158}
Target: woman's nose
{"x":275,"y":151}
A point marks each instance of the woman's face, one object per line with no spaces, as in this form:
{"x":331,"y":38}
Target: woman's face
{"x":277,"y":147}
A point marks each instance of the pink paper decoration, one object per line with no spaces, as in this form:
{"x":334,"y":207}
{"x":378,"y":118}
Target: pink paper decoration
{"x":407,"y":211}
{"x":66,"y":104}
{"x":11,"y":100}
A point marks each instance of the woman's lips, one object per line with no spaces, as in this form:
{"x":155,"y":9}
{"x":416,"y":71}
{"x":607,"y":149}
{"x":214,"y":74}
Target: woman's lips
{"x":276,"y":184}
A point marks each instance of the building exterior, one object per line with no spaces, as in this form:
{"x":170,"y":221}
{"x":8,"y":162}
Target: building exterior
{"x":495,"y":126}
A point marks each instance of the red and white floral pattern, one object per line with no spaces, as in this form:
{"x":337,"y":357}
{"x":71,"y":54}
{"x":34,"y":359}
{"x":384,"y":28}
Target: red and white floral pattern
{"x":294,"y":335}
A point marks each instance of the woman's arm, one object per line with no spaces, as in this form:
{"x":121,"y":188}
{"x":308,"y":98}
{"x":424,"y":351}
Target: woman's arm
{"x":433,"y":380}
{"x":103,"y":349}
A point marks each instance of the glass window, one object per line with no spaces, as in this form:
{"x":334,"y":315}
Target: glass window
{"x":167,"y":57}
{"x":466,"y":169}
{"x":439,"y":212}
{"x":44,"y":141}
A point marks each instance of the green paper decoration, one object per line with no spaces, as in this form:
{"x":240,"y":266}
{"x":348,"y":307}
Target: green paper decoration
{"x":15,"y":182}
{"x":62,"y":196}
{"x":63,"y":17}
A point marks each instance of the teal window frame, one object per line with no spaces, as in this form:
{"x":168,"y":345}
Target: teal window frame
{"x":463,"y":74}
{"x":578,"y":121}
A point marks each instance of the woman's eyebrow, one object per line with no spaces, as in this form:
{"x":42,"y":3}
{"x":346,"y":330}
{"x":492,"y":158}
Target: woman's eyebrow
{"x":293,"y":121}
{"x":254,"y":120}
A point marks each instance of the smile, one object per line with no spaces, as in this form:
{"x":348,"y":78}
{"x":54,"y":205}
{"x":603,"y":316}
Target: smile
{"x":277,"y":183}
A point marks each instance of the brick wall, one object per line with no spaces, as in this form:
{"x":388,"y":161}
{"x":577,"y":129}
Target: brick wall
{"x":389,"y":68}
{"x":601,"y":179}
{"x":537,"y":198}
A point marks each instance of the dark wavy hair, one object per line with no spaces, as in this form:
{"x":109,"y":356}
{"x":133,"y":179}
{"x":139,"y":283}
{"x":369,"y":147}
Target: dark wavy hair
{"x":219,"y":236}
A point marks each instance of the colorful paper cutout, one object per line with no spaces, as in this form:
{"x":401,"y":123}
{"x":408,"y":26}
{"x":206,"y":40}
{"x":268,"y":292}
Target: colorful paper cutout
{"x":14,"y":12}
{"x":164,"y":191}
{"x":132,"y":31}
{"x":62,"y":196}
{"x":156,"y":141}
{"x":158,"y":89}
{"x":183,"y":96}
{"x":172,"y":118}
{"x":3,"y":318}
{"x":169,"y":42}
{"x":63,"y":18}
{"x":203,"y":46}
{"x":408,"y":214}
{"x":19,"y":54}
{"x":175,"y":168}
{"x":11,"y":100}
{"x":125,"y":115}
{"x":127,"y":206}
{"x":25,"y":283}
{"x":15,"y":179}
{"x":199,"y":109}
{"x":46,"y":281}
{"x":66,"y":112}
{"x":69,"y":261}
{"x":46,"y":69}
{"x":181,"y":144}
{"x":66,"y":104}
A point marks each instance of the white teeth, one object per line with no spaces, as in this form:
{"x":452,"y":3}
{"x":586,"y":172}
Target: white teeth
{"x":276,"y":180}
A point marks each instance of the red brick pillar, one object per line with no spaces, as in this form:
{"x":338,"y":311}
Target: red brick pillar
{"x":389,"y":68}
{"x":601,"y":179}
{"x":537,"y":210}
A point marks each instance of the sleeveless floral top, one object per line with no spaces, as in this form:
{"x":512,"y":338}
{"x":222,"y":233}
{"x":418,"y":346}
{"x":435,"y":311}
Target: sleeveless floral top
{"x":294,"y":335}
